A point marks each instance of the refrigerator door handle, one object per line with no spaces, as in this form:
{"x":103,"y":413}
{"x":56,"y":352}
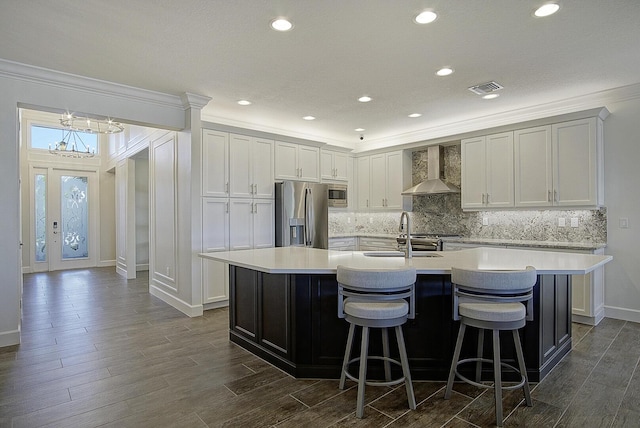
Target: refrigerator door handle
{"x":309,"y":231}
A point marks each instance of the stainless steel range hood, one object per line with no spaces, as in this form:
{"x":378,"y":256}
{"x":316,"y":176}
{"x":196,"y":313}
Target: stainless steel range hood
{"x":435,"y":182}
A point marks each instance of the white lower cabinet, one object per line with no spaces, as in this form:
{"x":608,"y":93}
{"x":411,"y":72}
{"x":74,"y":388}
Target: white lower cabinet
{"x":374,"y":244}
{"x":587,"y":291}
{"x":215,"y":237}
{"x":343,"y":244}
{"x":231,"y":224}
{"x":215,"y":283}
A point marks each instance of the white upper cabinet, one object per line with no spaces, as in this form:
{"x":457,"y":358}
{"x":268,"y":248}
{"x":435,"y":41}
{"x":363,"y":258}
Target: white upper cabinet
{"x":297,"y":162}
{"x":251,"y":167}
{"x":215,"y":163}
{"x":363,"y":169}
{"x":333,"y":165}
{"x":560,"y":164}
{"x":388,"y":175}
{"x":236,"y":166}
{"x":576,"y":178}
{"x":533,"y":174}
{"x":487,"y":171}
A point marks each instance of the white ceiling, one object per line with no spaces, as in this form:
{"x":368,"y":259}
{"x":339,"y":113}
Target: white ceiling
{"x":337,"y":51}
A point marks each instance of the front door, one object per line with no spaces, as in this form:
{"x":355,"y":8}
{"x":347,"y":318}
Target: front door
{"x":64,"y":219}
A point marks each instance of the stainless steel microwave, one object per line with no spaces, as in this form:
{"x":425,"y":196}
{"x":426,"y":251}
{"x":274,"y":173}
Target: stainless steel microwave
{"x":337,"y":195}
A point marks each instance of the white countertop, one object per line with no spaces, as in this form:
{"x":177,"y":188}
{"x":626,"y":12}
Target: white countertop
{"x":316,"y":261}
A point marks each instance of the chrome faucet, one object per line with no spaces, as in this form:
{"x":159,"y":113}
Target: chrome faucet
{"x":408,"y":252}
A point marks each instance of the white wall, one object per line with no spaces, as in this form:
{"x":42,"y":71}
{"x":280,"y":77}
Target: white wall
{"x":622,"y":198}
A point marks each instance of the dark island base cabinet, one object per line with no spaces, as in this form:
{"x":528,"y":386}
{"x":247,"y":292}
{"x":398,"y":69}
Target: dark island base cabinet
{"x":291,"y":321}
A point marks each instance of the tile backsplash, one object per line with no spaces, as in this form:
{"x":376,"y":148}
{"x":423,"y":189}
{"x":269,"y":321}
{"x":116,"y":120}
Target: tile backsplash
{"x":443,"y":214}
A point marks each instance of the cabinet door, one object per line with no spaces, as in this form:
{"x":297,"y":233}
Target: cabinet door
{"x":378,"y":181}
{"x":241,"y":183}
{"x":341,"y":166}
{"x":215,"y":224}
{"x":574,"y":163}
{"x":215,"y":158}
{"x":473,"y":174}
{"x":263,"y":223}
{"x":394,"y":174}
{"x":533,"y":177}
{"x":215,"y":281}
{"x":499,"y":170}
{"x":240,"y":224}
{"x":326,"y":165}
{"x":309,"y":163}
{"x":286,"y":161}
{"x":363,"y":177}
{"x":262,"y":167}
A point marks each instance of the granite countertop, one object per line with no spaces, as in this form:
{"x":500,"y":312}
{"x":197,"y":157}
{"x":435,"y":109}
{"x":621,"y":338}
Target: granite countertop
{"x":529,"y":243}
{"x":306,"y":260}
{"x":492,"y":241}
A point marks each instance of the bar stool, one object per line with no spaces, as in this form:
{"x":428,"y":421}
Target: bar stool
{"x":376,"y":299}
{"x":492,"y":300}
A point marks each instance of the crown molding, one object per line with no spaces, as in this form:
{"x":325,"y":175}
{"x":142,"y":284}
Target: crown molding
{"x":274,"y":131}
{"x":541,"y":111}
{"x":196,"y":101}
{"x":33,"y":74}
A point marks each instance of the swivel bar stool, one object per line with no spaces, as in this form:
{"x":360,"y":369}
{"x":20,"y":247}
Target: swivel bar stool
{"x":492,"y":300}
{"x":376,"y":299}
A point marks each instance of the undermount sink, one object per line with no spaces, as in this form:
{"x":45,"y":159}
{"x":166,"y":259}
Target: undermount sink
{"x":400,"y":254}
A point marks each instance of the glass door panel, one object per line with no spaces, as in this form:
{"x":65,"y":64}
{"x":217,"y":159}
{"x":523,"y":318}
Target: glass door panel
{"x":64,"y":219}
{"x":74,"y":217}
{"x":40,"y":218}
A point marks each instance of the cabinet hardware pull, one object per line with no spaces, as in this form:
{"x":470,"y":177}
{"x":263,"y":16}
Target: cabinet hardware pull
{"x":487,"y":199}
{"x":555,"y":196}
{"x":255,"y":189}
{"x":549,"y":196}
{"x":483,"y":199}
{"x":226,"y":207}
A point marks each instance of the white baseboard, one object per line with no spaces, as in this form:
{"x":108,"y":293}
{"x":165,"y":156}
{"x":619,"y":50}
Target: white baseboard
{"x":120,"y":271}
{"x":106,"y":263}
{"x":142,"y":267}
{"x":624,"y":314}
{"x":9,"y":338}
{"x":26,"y":269}
{"x":182,"y":306}
{"x":216,"y":305}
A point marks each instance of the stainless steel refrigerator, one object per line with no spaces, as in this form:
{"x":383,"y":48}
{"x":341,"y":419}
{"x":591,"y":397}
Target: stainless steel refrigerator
{"x":302,"y":214}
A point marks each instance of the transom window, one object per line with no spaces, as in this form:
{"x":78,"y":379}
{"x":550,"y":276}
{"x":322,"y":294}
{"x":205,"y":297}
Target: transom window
{"x":45,"y":138}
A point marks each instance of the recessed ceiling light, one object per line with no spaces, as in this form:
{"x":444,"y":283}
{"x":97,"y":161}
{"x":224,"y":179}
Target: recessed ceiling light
{"x":359,"y":129}
{"x":309,"y":118}
{"x":444,"y":71}
{"x":415,"y":115}
{"x":490,"y":96}
{"x":281,"y":24}
{"x":426,"y":17}
{"x":244,"y":102}
{"x":546,"y":10}
{"x":364,"y":99}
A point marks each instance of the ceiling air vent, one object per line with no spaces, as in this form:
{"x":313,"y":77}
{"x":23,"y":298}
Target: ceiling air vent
{"x":485,"y":88}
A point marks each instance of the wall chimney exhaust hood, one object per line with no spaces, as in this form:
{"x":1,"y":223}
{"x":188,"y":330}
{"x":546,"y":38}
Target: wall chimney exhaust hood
{"x":435,"y":176}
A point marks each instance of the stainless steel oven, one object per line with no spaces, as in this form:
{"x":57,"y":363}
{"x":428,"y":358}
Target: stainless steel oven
{"x":337,"y":195}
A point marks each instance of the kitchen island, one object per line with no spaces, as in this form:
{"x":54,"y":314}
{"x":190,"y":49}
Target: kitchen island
{"x":283,"y":306}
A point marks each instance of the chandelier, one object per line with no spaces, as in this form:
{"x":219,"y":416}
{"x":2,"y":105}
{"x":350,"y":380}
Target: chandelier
{"x":72,"y":145}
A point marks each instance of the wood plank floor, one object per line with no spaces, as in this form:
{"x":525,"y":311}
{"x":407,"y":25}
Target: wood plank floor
{"x":98,"y":350}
